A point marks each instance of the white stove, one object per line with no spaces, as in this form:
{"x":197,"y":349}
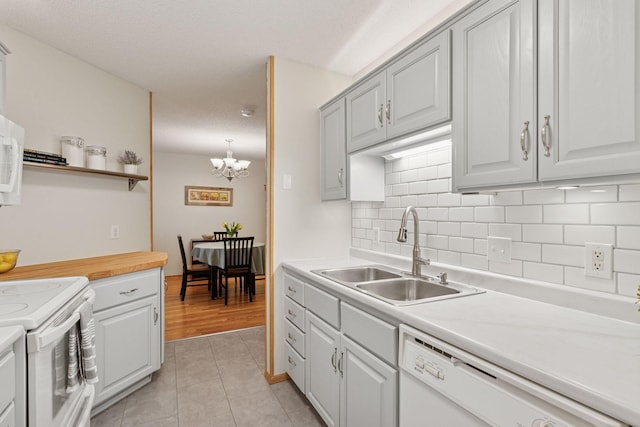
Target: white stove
{"x":29,"y":303}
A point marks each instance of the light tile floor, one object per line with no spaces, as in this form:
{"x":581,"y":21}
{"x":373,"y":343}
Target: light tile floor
{"x":215,"y":380}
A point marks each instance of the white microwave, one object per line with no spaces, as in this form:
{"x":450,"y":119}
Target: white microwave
{"x":11,"y":149}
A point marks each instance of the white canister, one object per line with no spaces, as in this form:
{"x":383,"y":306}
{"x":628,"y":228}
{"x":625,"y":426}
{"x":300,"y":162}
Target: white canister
{"x":96,"y":157}
{"x":72,"y":149}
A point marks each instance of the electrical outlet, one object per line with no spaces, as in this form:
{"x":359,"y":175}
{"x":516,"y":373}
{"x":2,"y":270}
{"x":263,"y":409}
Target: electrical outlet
{"x":499,"y":249}
{"x":115,"y":232}
{"x":598,"y":260}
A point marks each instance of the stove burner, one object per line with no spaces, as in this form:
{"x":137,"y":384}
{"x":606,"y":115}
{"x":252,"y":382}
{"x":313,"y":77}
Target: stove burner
{"x":11,"y":308}
{"x":26,"y":289}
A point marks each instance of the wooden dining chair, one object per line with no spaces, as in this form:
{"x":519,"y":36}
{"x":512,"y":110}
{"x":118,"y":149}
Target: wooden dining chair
{"x":192,"y":273}
{"x":237,"y":264}
{"x":220,"y":235}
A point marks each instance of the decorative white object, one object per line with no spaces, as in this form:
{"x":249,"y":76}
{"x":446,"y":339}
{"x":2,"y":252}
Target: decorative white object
{"x":73,"y":150}
{"x":96,"y":157}
{"x":229,"y":167}
{"x":132,"y":169}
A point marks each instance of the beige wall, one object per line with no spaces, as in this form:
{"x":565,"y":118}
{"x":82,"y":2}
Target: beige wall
{"x":171,"y":172}
{"x":304,"y":226}
{"x":68,"y":215}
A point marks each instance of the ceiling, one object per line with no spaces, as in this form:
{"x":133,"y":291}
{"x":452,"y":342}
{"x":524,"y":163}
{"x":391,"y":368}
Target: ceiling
{"x":205,"y":60}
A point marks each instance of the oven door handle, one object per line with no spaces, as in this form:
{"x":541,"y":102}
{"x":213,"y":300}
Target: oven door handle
{"x":37,"y":342}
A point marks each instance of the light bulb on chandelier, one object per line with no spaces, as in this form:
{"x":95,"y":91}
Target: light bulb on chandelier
{"x":229,"y":167}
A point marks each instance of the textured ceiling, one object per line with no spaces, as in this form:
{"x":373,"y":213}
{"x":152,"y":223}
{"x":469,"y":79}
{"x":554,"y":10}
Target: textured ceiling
{"x":204,"y":60}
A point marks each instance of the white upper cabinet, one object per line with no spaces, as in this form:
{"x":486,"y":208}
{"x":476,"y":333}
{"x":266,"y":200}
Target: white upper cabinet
{"x":493,"y":95}
{"x":334,"y":154}
{"x":589,"y":86}
{"x":585,"y":57}
{"x":411,"y":94}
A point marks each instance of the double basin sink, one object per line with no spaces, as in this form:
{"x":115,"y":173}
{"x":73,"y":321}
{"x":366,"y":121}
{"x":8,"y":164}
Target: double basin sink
{"x":396,"y":287}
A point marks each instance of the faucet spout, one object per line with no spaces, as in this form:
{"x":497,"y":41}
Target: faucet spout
{"x":417,"y":261}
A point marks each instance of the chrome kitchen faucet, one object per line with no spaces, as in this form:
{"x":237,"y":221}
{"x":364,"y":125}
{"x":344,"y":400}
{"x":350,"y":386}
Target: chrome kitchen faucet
{"x":418,"y":261}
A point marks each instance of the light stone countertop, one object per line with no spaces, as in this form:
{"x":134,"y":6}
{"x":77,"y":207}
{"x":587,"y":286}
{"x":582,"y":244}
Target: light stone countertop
{"x":590,"y":358}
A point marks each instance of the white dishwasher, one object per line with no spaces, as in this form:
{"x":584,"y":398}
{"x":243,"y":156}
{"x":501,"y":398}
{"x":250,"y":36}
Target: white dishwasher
{"x":441,"y":385}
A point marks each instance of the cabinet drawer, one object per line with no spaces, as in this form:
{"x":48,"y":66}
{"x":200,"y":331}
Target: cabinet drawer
{"x":8,"y":417}
{"x":295,"y":366}
{"x":294,"y":312}
{"x":326,"y":306}
{"x":294,"y":289}
{"x":122,"y":289}
{"x":294,"y":336}
{"x":376,"y":335}
{"x":7,"y":378}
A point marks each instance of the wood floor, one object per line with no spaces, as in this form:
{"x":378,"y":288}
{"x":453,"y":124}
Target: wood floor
{"x":199,"y":315}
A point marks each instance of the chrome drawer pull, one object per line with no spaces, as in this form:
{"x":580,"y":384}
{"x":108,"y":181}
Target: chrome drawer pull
{"x":340,"y":177}
{"x":291,"y":289}
{"x":388,"y":111}
{"x":128,"y":292}
{"x":524,"y":141}
{"x":291,"y":362}
{"x":291,"y":337}
{"x":340,"y":364}
{"x":380,"y":114}
{"x":546,"y":138}
{"x":155,"y":316}
{"x":333,"y":359}
{"x":291,"y":313}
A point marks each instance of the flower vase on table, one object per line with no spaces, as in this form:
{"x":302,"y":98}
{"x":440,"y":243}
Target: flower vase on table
{"x":232,"y":229}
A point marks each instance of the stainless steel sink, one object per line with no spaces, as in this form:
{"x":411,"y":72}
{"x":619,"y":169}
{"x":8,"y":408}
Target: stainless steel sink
{"x":359,"y":274}
{"x":406,"y":289}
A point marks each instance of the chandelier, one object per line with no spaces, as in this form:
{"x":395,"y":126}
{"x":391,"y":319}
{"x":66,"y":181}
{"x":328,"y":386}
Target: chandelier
{"x":229,"y":167}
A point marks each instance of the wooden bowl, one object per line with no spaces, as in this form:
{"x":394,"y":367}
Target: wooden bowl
{"x":207,"y":236}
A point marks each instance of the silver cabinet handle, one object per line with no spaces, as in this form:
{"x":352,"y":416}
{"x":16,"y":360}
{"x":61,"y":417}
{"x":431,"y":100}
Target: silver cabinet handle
{"x":380,"y":114}
{"x":291,"y":362}
{"x":545,"y":134}
{"x":291,"y":337}
{"x":333,"y":359}
{"x":155,"y":316}
{"x":291,"y":289}
{"x":388,"y":111}
{"x":340,"y":364}
{"x":291,"y":313}
{"x":524,"y":141}
{"x":340,"y":177}
{"x":129,"y":292}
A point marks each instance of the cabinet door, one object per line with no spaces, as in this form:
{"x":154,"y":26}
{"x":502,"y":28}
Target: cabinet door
{"x":322,"y":381}
{"x":334,"y":154}
{"x":366,"y":124}
{"x":368,"y":392}
{"x":493,"y":95}
{"x":127,"y":344}
{"x":589,"y":86}
{"x":418,"y":88}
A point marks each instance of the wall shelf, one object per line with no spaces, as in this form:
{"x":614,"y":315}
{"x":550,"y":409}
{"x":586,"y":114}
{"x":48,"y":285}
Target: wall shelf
{"x":133,"y":179}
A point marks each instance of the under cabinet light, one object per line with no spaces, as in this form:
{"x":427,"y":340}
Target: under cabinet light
{"x":420,"y":149}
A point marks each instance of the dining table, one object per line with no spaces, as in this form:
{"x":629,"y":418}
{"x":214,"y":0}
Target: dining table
{"x":212,"y":253}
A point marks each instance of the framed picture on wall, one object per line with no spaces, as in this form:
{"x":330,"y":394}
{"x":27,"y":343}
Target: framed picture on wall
{"x":208,"y":196}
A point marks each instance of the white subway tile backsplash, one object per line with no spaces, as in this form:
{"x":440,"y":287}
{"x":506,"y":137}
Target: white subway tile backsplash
{"x":593,"y":194}
{"x":392,"y":202}
{"x":616,"y":213}
{"x":628,"y":284}
{"x":429,"y":227}
{"x":461,"y":214}
{"x":543,"y":272}
{"x":438,"y":242}
{"x":401,"y":164}
{"x":439,"y":186}
{"x":542,"y":233}
{"x":580,"y":234}
{"x":566,"y":214}
{"x":563,"y":255}
{"x":575,"y":277}
{"x":448,"y":257}
{"x":448,"y":199}
{"x":475,"y":200}
{"x":480,"y":246}
{"x":438,"y":214}
{"x":419,"y":187}
{"x":428,"y":200}
{"x":542,"y":197}
{"x":489,"y":214}
{"x":444,"y":171}
{"x":418,"y":161}
{"x":524,"y":214}
{"x":511,"y":231}
{"x":385,"y":213}
{"x":628,"y":237}
{"x":439,"y":157}
{"x":461,"y":244}
{"x":630,"y":193}
{"x":526,"y":251}
{"x":409,"y":175}
{"x":400,"y":189}
{"x":626,"y":261}
{"x":513,"y":268}
{"x":449,"y":228}
{"x":409,"y":200}
{"x":428,"y":173}
{"x":477,"y":262}
{"x":393,"y":178}
{"x":506,"y":198}
{"x":474,"y":229}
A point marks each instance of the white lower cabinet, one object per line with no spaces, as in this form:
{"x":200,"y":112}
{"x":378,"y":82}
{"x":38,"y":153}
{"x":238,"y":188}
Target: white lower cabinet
{"x":129,"y":338}
{"x":13,"y":374}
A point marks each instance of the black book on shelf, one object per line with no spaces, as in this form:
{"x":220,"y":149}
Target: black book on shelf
{"x":30,"y":155}
{"x":46,"y":161}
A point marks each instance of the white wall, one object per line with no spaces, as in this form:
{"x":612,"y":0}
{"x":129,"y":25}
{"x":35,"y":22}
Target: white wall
{"x":171,"y":172}
{"x":548,"y":227}
{"x":304,"y":227}
{"x":68,"y":215}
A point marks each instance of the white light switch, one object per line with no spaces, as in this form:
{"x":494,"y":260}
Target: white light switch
{"x":286,"y":182}
{"x":499,"y":249}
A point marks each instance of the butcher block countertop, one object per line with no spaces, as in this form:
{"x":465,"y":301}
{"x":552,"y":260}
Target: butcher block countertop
{"x":93,"y":268}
